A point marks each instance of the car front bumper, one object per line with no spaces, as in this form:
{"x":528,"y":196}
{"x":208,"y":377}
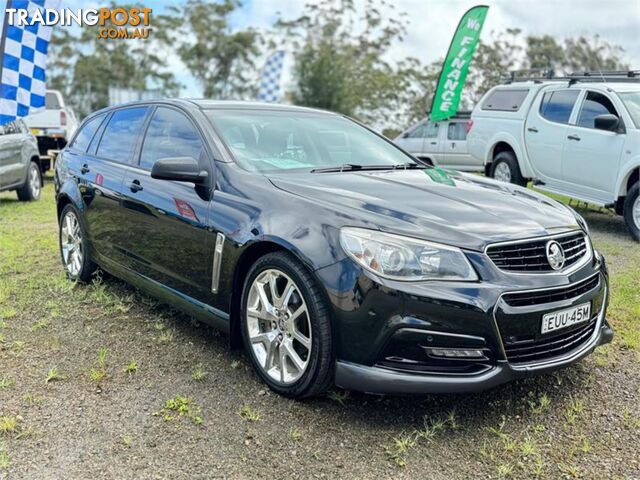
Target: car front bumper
{"x":385,"y":331}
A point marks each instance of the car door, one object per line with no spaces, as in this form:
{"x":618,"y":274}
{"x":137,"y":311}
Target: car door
{"x":101,"y":171}
{"x":413,"y":140}
{"x":13,"y":168}
{"x":591,"y":157}
{"x":546,"y":131}
{"x":168,"y":240}
{"x":455,"y":146}
{"x":433,"y":145}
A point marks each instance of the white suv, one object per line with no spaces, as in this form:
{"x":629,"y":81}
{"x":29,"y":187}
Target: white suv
{"x":577,"y":136}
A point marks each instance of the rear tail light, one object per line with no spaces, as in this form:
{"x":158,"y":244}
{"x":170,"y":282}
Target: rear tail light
{"x":469,"y":125}
{"x":63,"y":119}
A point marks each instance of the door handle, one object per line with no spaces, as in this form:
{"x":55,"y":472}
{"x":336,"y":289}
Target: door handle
{"x":434,"y":143}
{"x":135,"y":186}
{"x":85,"y":169}
{"x":453,"y":144}
{"x":574,"y":137}
{"x":532,"y":129}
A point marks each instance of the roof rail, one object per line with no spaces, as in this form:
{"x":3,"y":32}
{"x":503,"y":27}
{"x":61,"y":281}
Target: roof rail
{"x":587,"y":76}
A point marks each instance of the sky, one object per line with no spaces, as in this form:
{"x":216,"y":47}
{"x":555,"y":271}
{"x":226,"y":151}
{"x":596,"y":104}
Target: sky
{"x":433,"y":23}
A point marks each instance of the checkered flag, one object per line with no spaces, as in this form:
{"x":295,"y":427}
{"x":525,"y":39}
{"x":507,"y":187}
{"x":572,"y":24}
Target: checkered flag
{"x":270,"y":80}
{"x":24,"y":60}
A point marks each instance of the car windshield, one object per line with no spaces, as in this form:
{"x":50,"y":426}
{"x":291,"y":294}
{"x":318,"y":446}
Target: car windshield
{"x":632,"y":101}
{"x":268,"y":141}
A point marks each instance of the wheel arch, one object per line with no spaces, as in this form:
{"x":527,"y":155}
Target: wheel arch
{"x":249,"y":255}
{"x":504,"y":142}
{"x":628,"y":181}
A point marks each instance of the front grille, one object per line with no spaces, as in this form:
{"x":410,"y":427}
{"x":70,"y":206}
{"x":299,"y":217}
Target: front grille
{"x":539,"y":297}
{"x":531,"y":256}
{"x":533,"y":350}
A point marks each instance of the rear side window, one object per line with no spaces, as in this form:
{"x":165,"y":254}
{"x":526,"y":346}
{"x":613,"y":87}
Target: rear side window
{"x":457,"y":131}
{"x":557,"y":106}
{"x":595,"y":104}
{"x":86,"y":133}
{"x":170,"y":134}
{"x":121,"y":134}
{"x":506,"y":100}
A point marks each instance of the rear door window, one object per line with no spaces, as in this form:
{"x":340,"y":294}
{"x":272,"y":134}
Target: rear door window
{"x":457,"y":131}
{"x":595,"y":104}
{"x":507,"y":100}
{"x":121,"y":135}
{"x":557,"y":106}
{"x":86,"y":133}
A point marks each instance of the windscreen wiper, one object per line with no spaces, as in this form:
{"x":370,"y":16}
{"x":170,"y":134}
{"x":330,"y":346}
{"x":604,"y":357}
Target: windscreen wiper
{"x":352,"y":167}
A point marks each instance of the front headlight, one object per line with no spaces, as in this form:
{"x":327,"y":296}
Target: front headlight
{"x":406,"y":259}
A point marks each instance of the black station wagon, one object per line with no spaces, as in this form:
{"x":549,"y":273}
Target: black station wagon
{"x":331,"y":254}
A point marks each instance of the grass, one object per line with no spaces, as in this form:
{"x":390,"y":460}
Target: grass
{"x":180,"y":406}
{"x":249,"y":414}
{"x":198,"y":373}
{"x":546,"y":433}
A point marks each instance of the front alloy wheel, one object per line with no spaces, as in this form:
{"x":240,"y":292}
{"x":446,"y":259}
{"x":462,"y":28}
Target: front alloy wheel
{"x":279,"y":326}
{"x":286,"y":326}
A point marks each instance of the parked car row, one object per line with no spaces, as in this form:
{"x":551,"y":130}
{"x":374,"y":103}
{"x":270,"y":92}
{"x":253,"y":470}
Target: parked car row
{"x":577,"y":136}
{"x":28,"y":146}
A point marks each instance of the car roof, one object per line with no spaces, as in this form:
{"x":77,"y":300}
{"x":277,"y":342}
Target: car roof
{"x":208,"y":104}
{"x":617,"y":86}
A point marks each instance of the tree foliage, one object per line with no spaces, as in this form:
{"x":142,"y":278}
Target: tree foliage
{"x":220,"y":59}
{"x":93,"y":64}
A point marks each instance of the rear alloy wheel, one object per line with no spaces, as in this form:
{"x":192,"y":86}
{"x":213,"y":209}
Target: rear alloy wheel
{"x":73,"y":246}
{"x":632,"y":211}
{"x":506,"y":169}
{"x":33,"y":185}
{"x":286,"y":327}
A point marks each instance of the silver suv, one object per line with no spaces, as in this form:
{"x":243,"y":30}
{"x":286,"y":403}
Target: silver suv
{"x":19,"y":161}
{"x":441,"y":143}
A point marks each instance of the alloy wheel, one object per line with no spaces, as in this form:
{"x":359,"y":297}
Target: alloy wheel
{"x":502,"y":172}
{"x":71,"y":243}
{"x":279,"y":326}
{"x":34,"y":181}
{"x":636,"y":212}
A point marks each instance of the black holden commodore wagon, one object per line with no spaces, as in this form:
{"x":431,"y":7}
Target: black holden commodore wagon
{"x":331,"y":254}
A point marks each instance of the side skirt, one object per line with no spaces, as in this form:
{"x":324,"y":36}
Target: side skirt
{"x":189,"y":305}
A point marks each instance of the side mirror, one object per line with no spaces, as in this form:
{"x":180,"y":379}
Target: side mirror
{"x":405,"y":135}
{"x":607,"y":122}
{"x":179,"y":169}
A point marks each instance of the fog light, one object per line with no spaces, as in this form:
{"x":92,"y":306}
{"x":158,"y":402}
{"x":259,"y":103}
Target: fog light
{"x":456,"y":353}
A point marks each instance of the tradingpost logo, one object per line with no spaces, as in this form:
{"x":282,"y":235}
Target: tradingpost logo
{"x":114,"y":23}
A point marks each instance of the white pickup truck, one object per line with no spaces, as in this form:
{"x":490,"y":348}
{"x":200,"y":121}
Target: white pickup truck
{"x":577,"y":136}
{"x":53,"y":127}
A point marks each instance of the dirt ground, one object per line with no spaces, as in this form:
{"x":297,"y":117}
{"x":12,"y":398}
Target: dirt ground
{"x":100,"y":381}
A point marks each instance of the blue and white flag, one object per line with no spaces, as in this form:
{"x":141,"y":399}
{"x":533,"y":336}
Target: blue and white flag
{"x":271,"y":77}
{"x":24,"y":59}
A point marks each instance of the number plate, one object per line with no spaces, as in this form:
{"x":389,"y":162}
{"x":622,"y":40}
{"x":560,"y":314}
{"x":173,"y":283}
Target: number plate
{"x":36,"y":131}
{"x":565,"y":318}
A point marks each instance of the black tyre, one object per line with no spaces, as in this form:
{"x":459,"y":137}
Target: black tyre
{"x":33,"y":184}
{"x":632,"y":211}
{"x":506,"y":169}
{"x":74,"y":246}
{"x":286,"y":327}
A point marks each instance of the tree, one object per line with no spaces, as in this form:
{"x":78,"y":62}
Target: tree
{"x":84,"y":66}
{"x":219,"y":58}
{"x":340,"y":58}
